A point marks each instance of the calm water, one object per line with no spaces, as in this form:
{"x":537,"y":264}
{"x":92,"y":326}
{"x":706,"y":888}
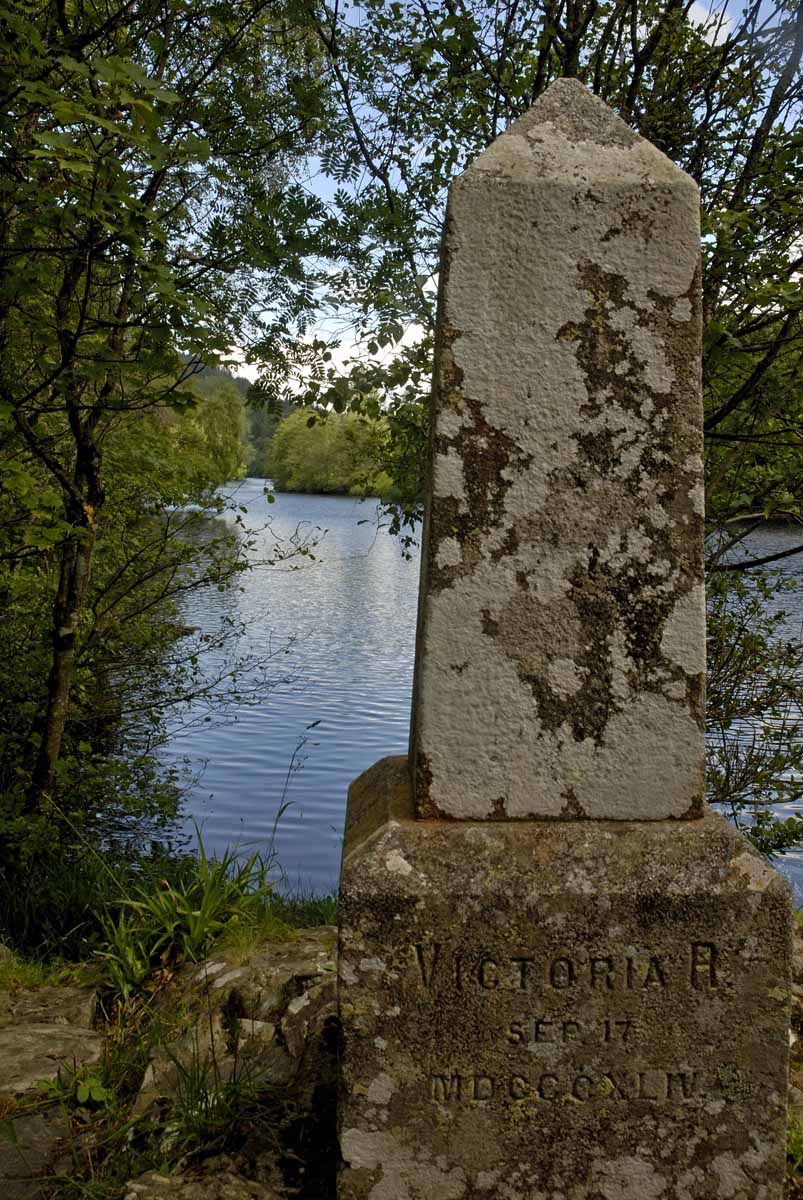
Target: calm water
{"x":342,"y":631}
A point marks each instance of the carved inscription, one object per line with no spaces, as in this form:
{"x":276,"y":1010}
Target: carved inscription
{"x":427,"y":958}
{"x":704,"y":965}
{"x":546,"y":1031}
{"x":652,"y":1086}
{"x":597,"y":972}
{"x":557,"y":990}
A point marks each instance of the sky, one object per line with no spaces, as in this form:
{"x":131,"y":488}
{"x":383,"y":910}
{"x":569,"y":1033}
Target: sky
{"x":314,"y":178}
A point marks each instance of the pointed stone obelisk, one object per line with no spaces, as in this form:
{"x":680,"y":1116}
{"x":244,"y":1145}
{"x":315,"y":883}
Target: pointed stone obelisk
{"x":565,"y":1008}
{"x":562,"y":621}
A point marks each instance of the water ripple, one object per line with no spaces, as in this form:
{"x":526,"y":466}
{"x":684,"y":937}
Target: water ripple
{"x":348,"y":623}
{"x":348,"y":620}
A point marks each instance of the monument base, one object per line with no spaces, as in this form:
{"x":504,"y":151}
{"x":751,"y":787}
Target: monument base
{"x":558,"y":1010}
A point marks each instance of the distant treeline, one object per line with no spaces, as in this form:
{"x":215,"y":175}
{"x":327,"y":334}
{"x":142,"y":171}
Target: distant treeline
{"x":340,"y":453}
{"x":299,"y":449}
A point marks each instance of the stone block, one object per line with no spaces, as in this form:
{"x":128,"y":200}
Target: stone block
{"x":558,"y":1010}
{"x":74,"y":1005}
{"x":36,"y":1052}
{"x":28,"y":1144}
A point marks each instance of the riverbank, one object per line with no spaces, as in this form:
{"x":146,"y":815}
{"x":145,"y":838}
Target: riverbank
{"x":217,"y":1080}
{"x":174,"y":1036}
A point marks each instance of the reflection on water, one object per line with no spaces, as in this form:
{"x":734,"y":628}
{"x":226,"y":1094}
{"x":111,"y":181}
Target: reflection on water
{"x":776,"y":539}
{"x":342,"y":628}
{"x":342,"y":631}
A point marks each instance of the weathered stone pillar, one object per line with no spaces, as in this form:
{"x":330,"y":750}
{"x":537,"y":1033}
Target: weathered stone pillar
{"x":562,"y":630}
{"x":564,"y":1008}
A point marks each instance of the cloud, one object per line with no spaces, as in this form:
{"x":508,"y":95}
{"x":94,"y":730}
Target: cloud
{"x":714,"y":18}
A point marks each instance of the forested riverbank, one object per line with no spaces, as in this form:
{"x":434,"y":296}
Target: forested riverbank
{"x":188,"y":192}
{"x":156,"y":223}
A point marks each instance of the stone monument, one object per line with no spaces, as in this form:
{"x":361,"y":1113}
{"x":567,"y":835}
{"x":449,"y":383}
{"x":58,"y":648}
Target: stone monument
{"x":561,"y":977}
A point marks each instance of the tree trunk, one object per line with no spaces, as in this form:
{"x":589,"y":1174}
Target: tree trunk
{"x":74,"y":573}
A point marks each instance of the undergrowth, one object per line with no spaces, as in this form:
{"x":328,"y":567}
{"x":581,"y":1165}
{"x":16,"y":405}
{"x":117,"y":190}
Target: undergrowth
{"x":126,"y":925}
{"x":218,"y":1105}
{"x":135,"y":916}
{"x":19,"y":972}
{"x":794,"y":1155}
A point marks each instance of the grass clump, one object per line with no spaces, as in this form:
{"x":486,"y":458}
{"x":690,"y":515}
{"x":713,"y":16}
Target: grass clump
{"x":240,"y":939}
{"x":216,"y":1102}
{"x":170,"y":920}
{"x":137,"y":917}
{"x":16,"y":972}
{"x":55,"y":908}
{"x":794,"y":1150}
{"x":217,"y":1105}
{"x":305,"y":910}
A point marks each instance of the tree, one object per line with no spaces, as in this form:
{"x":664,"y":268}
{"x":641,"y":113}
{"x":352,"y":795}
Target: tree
{"x":146,"y":226}
{"x":158,"y":540}
{"x":220,"y":422}
{"x":424,"y":86}
{"x":334,"y":452}
{"x":264,"y":414}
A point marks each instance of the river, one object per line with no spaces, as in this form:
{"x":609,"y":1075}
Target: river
{"x":341,"y":628}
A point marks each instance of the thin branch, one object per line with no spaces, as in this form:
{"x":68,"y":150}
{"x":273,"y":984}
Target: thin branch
{"x":748,"y":564}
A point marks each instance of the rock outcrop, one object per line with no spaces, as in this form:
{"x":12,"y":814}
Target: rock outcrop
{"x":266,"y":1024}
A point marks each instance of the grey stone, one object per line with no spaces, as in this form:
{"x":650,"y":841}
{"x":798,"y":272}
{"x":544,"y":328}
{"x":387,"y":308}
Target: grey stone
{"x":558,"y":1010}
{"x":309,"y":1010}
{"x":207,"y":1048}
{"x":282,"y":972}
{"x":262,"y":1031}
{"x":208,"y":970}
{"x":28,"y":1143}
{"x":30,"y":1053}
{"x":225,"y":1184}
{"x":202,"y":1047}
{"x":292,"y":982}
{"x":561,"y":1009}
{"x":560,"y":652}
{"x":49,"y":1006}
{"x":230,"y":977}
